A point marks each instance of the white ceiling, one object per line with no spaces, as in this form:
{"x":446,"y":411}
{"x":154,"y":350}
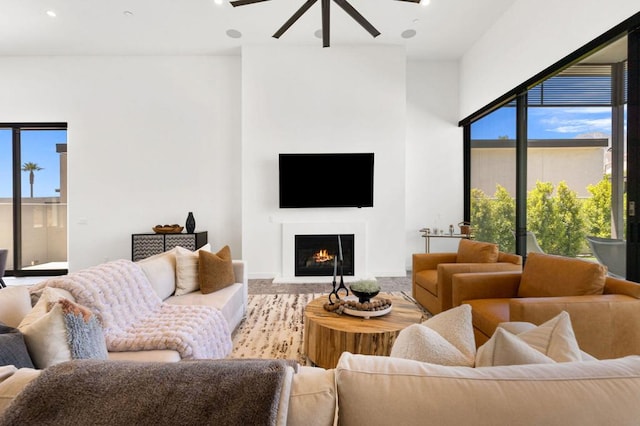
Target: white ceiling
{"x":445,"y":29}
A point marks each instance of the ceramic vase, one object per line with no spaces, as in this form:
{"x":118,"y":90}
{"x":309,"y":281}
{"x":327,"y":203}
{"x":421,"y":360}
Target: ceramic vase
{"x":190,"y":223}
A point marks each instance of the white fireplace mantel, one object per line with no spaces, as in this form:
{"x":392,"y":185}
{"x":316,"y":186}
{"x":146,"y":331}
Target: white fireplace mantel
{"x":290,"y":230}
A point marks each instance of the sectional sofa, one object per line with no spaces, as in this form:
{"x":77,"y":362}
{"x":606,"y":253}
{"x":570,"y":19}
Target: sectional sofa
{"x":372,"y":390}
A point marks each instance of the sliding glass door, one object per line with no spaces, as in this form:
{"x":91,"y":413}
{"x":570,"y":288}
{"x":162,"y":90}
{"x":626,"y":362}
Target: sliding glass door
{"x":33,"y":198}
{"x":572,"y":152}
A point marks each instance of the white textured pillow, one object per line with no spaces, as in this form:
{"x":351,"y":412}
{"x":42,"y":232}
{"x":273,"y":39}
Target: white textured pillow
{"x":187,"y":269}
{"x":553,"y":341}
{"x":160,"y":270}
{"x":445,"y":339}
{"x":56,"y":331}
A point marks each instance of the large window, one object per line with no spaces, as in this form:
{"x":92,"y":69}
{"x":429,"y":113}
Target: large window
{"x":33,"y":197}
{"x":558,"y":158}
{"x":493,"y":178}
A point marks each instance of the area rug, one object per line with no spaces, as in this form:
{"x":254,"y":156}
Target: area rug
{"x":274,"y":325}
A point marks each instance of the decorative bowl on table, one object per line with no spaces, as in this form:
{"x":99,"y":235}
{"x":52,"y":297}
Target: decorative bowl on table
{"x":168,"y":229}
{"x":365,"y":290}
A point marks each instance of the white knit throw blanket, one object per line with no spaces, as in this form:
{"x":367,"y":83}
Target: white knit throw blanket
{"x":134,"y":318}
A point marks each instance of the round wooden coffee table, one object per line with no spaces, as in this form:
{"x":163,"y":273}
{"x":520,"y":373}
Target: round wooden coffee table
{"x":327,"y":334}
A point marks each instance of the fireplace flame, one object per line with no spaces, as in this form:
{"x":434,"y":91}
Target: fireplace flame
{"x":322,"y":256}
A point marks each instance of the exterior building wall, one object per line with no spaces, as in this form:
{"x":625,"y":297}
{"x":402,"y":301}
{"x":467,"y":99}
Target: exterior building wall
{"x":577,"y":166}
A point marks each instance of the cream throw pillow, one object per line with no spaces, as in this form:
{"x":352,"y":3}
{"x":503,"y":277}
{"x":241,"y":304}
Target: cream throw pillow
{"x":160,"y":270}
{"x":187,"y":269}
{"x":58,"y":330}
{"x":445,"y":339}
{"x":553,"y":341}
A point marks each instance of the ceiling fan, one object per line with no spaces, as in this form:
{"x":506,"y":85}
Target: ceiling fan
{"x":344,"y":4}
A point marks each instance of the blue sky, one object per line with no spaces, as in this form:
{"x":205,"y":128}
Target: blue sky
{"x":545,"y":123}
{"x":37,"y":147}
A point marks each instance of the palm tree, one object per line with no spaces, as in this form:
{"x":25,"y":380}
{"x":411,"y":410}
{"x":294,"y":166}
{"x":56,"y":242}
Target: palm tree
{"x":31,"y":167}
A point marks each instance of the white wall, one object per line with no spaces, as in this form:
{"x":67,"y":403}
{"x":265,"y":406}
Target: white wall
{"x":305,"y":99}
{"x":530,"y":37}
{"x":434,"y":188}
{"x":150,"y":138}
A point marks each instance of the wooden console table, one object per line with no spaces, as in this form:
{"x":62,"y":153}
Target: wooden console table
{"x":328,"y":334}
{"x":145,"y":245}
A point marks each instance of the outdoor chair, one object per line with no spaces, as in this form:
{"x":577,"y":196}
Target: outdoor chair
{"x":610,"y":252}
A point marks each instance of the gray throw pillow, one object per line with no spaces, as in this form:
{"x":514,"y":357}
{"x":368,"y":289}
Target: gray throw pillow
{"x":13,"y":350}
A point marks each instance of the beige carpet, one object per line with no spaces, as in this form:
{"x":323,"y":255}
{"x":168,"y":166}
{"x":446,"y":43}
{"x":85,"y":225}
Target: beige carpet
{"x":273,"y":327}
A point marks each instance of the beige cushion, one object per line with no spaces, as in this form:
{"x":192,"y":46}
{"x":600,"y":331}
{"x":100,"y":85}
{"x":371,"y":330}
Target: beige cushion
{"x":445,"y":339}
{"x":159,"y":355}
{"x":48,"y":337}
{"x":187,"y":269}
{"x":160,"y":270}
{"x":385,"y":391}
{"x":215,"y":270}
{"x":12,"y":381}
{"x":470,"y":251}
{"x":517,"y":327}
{"x":553,"y":341}
{"x":546,"y":275}
{"x":15,"y":303}
{"x":312,"y":401}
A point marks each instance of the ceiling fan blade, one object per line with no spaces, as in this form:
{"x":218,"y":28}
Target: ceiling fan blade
{"x":325,"y":23}
{"x":358,"y":17}
{"x":411,"y":1}
{"x":235,"y":3}
{"x":293,"y":18}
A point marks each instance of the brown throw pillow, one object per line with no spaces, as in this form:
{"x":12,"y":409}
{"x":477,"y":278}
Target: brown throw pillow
{"x":547,"y":275}
{"x":215,"y":270}
{"x":470,"y":251}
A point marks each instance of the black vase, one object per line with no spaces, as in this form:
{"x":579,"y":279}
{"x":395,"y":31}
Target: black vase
{"x":191,"y":223}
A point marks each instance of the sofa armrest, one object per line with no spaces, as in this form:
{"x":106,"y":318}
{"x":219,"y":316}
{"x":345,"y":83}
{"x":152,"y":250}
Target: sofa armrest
{"x":240,"y":272}
{"x":422,"y":261}
{"x":484,"y":285}
{"x":614,"y":285}
{"x":606,"y":326}
{"x":516,"y":259}
{"x":446,"y":272}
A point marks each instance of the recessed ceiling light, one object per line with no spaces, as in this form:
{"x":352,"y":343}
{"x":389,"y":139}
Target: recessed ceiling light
{"x":234,"y":33}
{"x":218,"y":2}
{"x":127,"y":13}
{"x":408,"y":33}
{"x":51,"y":13}
{"x":424,"y":2}
{"x":318,"y":33}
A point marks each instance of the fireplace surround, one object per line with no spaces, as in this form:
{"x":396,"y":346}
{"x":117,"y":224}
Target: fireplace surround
{"x":291,"y":229}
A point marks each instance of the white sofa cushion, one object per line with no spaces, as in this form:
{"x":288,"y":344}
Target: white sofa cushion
{"x":229,"y":300}
{"x":382,"y":391}
{"x":445,"y":339}
{"x":312,"y":401}
{"x":15,"y":303}
{"x":553,"y":341}
{"x":160,"y":269}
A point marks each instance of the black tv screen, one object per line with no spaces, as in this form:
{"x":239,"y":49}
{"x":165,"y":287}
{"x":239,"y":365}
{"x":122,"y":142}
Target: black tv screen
{"x":326,"y":180}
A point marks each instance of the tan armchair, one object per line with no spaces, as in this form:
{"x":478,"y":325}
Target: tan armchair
{"x":432,"y":273}
{"x":604,"y":311}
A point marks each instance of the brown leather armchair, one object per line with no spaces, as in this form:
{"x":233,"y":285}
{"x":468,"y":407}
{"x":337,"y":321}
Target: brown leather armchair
{"x":432,"y":273}
{"x":604,"y":311}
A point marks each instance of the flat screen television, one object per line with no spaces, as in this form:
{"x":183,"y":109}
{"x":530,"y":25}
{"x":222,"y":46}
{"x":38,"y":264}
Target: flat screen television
{"x":326,"y":180}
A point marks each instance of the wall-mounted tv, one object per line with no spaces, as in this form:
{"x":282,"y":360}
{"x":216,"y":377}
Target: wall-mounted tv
{"x":326,"y":180}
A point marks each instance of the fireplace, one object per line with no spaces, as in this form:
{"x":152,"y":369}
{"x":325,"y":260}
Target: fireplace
{"x":315,"y":254}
